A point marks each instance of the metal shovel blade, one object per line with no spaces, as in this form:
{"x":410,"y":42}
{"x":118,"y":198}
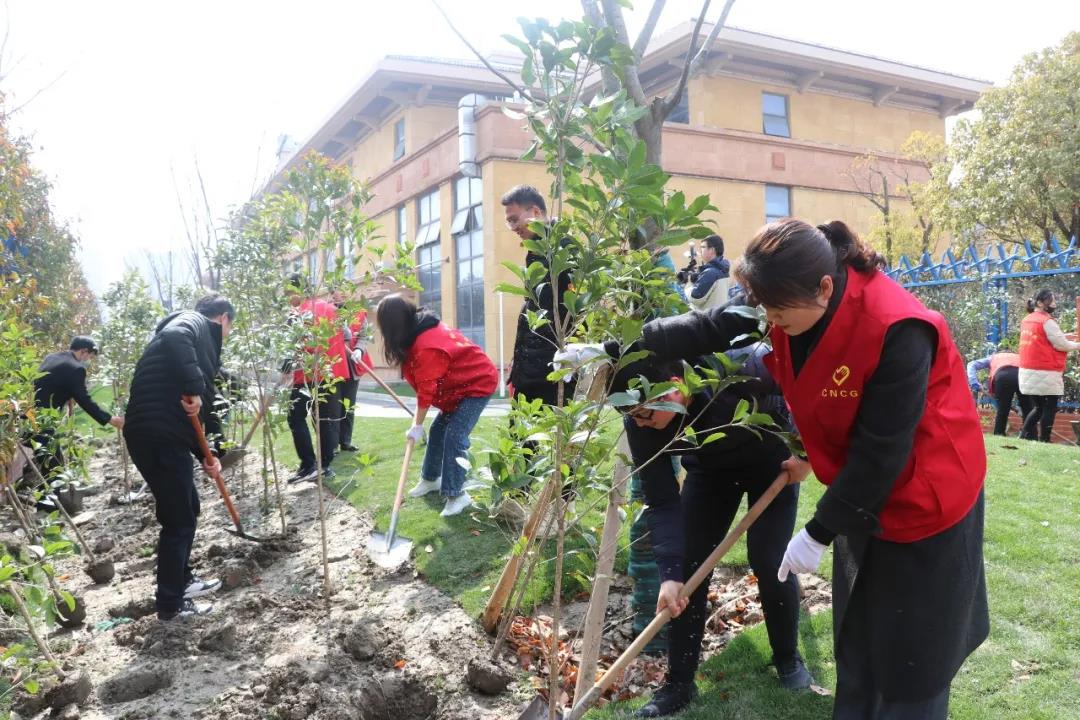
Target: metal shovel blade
{"x":231,"y":457}
{"x":538,"y":710}
{"x":389,"y":553}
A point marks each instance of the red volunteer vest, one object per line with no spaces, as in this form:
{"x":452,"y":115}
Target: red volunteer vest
{"x":1036,"y":352}
{"x":1001,"y":360}
{"x":945,"y":472}
{"x":314,"y":311}
{"x":470,"y":373}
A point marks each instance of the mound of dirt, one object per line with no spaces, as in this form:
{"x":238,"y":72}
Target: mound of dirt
{"x":381,"y":647}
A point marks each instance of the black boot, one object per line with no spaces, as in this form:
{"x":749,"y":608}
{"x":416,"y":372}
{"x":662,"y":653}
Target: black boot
{"x":669,"y":699}
{"x":793,"y":674}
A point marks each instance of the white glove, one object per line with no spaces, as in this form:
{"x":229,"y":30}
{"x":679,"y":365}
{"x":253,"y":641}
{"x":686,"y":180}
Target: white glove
{"x":803,"y":555}
{"x":415,"y":433}
{"x":577,"y":354}
{"x":358,"y":355}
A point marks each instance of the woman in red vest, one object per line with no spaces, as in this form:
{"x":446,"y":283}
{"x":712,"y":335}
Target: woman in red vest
{"x":447,"y":371}
{"x":1042,"y":363}
{"x":878,"y":393}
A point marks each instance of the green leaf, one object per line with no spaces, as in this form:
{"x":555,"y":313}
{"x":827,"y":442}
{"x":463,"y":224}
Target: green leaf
{"x":741,"y":411}
{"x":31,"y":686}
{"x":512,"y":290}
{"x":714,"y":437}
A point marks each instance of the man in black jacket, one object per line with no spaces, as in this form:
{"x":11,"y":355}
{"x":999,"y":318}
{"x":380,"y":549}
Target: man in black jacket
{"x":173,"y":379}
{"x":533,"y":349}
{"x":64,"y":380}
{"x":686,"y":525}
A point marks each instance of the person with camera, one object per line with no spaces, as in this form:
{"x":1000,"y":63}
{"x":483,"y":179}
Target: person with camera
{"x":707,"y":286}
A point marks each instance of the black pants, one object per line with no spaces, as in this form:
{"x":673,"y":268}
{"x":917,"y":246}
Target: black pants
{"x":329,"y":423}
{"x":1006,"y":386}
{"x":1042,"y":415}
{"x":168,"y":470}
{"x":48,"y":455}
{"x":709,"y":505}
{"x":348,"y":392}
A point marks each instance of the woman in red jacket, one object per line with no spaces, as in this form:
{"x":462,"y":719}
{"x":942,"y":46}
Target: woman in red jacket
{"x":879,"y":395}
{"x":447,"y":371}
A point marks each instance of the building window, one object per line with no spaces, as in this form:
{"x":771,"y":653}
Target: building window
{"x":428,"y":252}
{"x":399,"y":139}
{"x":468,"y":232}
{"x":777,"y":202}
{"x":402,"y":234}
{"x":681,"y":112}
{"x":774,"y":110}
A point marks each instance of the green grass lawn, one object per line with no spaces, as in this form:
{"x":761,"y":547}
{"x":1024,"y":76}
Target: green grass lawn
{"x":464,"y":555}
{"x":1029,"y":668}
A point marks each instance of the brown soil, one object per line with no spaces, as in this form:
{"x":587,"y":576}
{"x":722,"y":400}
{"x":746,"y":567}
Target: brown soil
{"x":383,"y":646}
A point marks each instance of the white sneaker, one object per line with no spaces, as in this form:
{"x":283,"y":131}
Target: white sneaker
{"x":426,"y":486}
{"x":457,"y":504}
{"x":199,"y":587}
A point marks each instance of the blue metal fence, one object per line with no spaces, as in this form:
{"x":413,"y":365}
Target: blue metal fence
{"x":994,"y":268}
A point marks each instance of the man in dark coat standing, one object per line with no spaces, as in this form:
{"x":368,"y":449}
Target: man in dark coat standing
{"x":64,"y":380}
{"x":173,"y":379}
{"x":533,"y":349}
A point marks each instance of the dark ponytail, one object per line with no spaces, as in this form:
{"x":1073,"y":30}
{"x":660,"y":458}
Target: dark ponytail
{"x":1044,"y":296}
{"x":784,"y":264}
{"x":850,"y":250}
{"x":396,"y":318}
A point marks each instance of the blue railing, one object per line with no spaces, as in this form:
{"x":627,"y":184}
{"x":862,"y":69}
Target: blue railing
{"x":997,"y":263}
{"x":993,"y":268}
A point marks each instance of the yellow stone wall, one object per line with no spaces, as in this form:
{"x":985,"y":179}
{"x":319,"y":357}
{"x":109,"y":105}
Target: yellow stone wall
{"x":730,"y":103}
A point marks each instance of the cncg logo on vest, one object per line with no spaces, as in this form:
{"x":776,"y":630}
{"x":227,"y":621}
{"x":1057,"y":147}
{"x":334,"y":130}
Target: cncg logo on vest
{"x":839,"y":377}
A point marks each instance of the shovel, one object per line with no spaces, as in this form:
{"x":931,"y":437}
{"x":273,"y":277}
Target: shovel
{"x":238,"y":530}
{"x":538,"y":709}
{"x":379,"y":381}
{"x":388,"y":550}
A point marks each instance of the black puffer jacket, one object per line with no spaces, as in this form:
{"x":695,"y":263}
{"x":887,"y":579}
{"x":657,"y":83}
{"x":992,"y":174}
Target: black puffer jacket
{"x":183,"y":358}
{"x":533,"y":350}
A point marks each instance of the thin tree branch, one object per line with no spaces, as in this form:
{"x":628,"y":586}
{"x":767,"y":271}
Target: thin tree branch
{"x":695,"y":57}
{"x":520,"y":89}
{"x":645,"y":35}
{"x":613,"y":15}
{"x":36,"y":94}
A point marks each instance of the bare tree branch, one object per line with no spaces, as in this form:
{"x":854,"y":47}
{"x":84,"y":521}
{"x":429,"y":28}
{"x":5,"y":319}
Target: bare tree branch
{"x":35,"y":96}
{"x":642,"y":42}
{"x":696,"y":56}
{"x":520,"y":89}
{"x":210,"y":246}
{"x":193,"y":243}
{"x":613,"y":15}
{"x":703,"y":52}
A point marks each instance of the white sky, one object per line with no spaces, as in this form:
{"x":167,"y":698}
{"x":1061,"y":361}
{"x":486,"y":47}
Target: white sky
{"x":132,"y":92}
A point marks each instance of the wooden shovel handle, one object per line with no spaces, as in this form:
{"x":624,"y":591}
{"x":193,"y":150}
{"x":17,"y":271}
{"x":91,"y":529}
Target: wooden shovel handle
{"x":204,"y":447}
{"x":688,"y":589}
{"x":379,"y":381}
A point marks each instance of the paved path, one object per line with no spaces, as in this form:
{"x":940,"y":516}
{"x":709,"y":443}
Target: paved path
{"x":373,"y":404}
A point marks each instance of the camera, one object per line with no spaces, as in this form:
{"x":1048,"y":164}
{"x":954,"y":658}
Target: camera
{"x":691,"y":272}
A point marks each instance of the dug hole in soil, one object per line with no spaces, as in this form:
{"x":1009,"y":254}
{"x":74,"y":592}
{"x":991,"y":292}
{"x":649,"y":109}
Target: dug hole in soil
{"x":386,"y":647}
